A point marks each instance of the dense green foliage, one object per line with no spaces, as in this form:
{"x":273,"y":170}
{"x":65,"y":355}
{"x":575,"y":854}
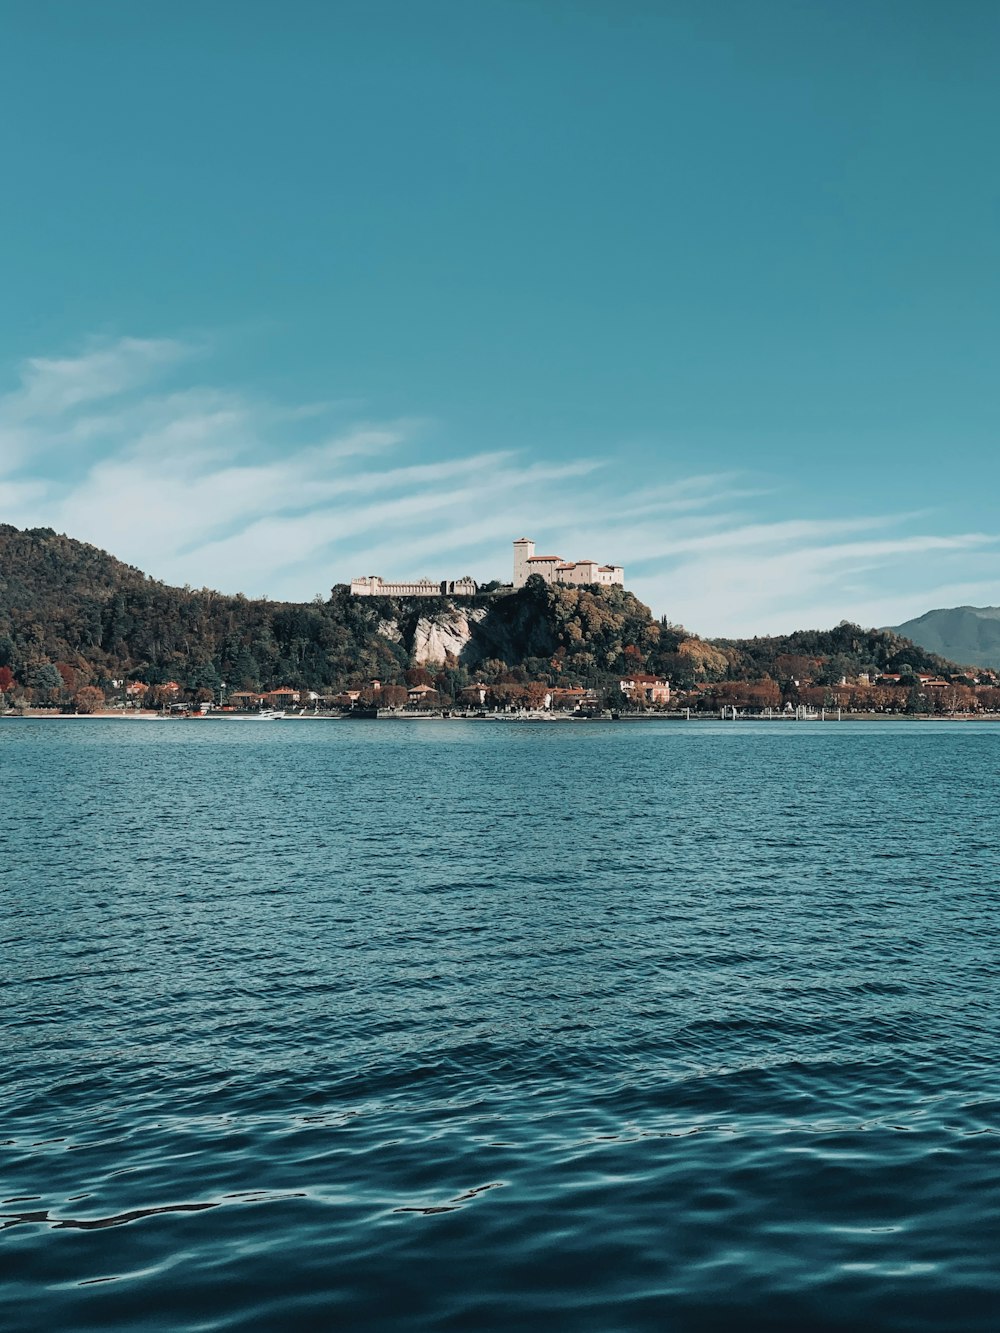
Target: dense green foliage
{"x":568,"y":635}
{"x":64,"y":601}
{"x":72,"y":616}
{"x":823,"y":657}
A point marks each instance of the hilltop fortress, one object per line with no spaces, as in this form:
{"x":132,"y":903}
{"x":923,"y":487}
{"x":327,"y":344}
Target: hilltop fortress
{"x":554,"y":569}
{"x":373,"y":586}
{"x":551,"y":568}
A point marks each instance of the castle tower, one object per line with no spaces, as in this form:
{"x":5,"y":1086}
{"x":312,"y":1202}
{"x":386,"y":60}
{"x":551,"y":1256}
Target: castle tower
{"x":524,"y":549}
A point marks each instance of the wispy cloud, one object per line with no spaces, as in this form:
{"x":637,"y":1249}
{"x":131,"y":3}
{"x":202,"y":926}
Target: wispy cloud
{"x":131,"y":446}
{"x":50,"y":387}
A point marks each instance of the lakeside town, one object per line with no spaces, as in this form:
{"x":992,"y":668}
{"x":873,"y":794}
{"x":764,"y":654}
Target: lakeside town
{"x":561,"y":640}
{"x":425,"y":694}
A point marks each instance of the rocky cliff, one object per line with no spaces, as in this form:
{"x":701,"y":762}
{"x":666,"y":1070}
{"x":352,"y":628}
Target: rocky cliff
{"x":446,"y":634}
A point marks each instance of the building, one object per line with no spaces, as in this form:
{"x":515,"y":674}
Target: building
{"x":281,"y":697}
{"x":373,"y":586}
{"x":554,"y":569}
{"x":245,"y":699}
{"x":569,"y":697}
{"x":653,"y":689}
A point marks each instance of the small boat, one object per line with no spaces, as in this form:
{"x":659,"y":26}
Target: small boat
{"x":270,"y":714}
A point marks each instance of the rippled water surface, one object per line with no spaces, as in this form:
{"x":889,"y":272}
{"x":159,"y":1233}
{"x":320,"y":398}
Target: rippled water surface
{"x":321,"y":1025}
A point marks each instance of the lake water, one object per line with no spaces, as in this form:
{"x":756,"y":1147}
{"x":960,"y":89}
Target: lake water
{"x":322,"y":1025}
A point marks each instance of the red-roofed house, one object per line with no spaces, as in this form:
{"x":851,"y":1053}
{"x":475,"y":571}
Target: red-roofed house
{"x":284,"y":694}
{"x":654,"y":689}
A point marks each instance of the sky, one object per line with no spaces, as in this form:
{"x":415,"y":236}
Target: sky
{"x":709,"y":290}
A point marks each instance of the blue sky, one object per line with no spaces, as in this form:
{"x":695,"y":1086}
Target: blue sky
{"x":708,"y":290}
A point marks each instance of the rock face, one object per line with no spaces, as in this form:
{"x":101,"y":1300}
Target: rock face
{"x":435,"y":636}
{"x":390,"y":630}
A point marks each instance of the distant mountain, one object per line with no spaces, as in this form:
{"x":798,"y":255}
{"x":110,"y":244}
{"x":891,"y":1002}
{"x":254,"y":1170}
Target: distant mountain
{"x":967,"y":634}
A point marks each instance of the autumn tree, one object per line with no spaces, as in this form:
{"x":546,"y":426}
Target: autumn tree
{"x":763,"y":694}
{"x":158,"y":696}
{"x":535,"y":693}
{"x":70,"y":683}
{"x":508,"y":695}
{"x":88,"y":699}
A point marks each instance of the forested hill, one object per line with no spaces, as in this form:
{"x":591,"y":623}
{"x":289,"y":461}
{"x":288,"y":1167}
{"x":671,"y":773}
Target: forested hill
{"x":826,"y":656}
{"x":63,"y":601}
{"x":965,"y":633}
{"x":71,"y":612}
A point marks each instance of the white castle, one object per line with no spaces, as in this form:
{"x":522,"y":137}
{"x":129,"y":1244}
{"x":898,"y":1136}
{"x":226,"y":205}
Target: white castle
{"x":373,"y":586}
{"x":554,"y":569}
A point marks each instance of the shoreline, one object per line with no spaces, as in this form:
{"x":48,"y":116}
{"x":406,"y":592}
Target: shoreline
{"x":141,"y":715}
